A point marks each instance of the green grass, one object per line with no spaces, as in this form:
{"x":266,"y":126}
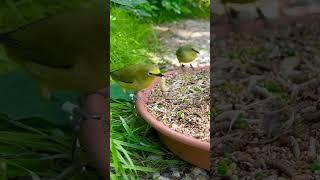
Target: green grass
{"x":130,"y":39}
{"x":132,"y":141}
{"x":40,"y":150}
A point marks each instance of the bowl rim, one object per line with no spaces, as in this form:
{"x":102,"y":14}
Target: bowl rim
{"x":142,"y":98}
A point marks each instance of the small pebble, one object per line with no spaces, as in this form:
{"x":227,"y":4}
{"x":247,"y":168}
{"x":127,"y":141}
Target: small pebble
{"x":156,"y":175}
{"x":176,"y":174}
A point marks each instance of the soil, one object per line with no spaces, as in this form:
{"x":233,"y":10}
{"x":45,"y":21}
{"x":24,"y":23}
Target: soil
{"x":183,"y":102}
{"x":266,"y":105}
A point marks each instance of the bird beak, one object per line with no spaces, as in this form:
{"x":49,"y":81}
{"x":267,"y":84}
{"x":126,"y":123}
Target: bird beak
{"x":159,"y":75}
{"x":195,"y":51}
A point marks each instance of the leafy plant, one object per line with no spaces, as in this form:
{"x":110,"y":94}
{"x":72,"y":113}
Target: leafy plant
{"x":260,"y":175}
{"x":315,"y":166}
{"x":275,"y":88}
{"x":164,"y":10}
{"x":240,"y":122}
{"x":223,"y":167}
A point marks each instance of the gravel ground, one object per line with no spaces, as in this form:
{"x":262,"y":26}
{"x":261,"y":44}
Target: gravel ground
{"x":266,"y":93}
{"x":172,"y":36}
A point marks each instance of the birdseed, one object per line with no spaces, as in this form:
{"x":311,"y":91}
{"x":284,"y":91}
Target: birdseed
{"x":185,"y":106}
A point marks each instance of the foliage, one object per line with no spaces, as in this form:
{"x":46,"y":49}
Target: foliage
{"x":130,"y":40}
{"x":131,"y":142}
{"x":224,"y":165}
{"x":315,"y":166}
{"x":38,"y":150}
{"x":164,"y":10}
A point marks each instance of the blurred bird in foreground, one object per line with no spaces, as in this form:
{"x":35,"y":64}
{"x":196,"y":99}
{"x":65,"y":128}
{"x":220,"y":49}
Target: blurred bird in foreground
{"x":186,"y":54}
{"x":231,"y":13}
{"x":137,"y":76}
{"x":64,"y":52}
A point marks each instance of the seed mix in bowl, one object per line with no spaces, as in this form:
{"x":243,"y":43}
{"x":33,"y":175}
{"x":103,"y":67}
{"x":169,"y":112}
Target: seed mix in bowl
{"x":184,"y":105}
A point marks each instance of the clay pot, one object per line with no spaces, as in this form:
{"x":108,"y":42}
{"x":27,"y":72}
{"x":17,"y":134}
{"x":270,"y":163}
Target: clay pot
{"x":188,"y":148}
{"x":94,"y":133}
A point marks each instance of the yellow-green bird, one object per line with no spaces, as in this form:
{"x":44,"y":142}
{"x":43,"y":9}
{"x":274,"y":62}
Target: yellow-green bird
{"x":231,"y":12}
{"x":186,"y":54}
{"x":65,"y":51}
{"x":137,"y":76}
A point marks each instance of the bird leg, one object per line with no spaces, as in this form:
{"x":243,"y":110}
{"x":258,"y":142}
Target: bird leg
{"x":260,"y":14}
{"x":182,"y":67}
{"x":262,"y":17}
{"x":229,"y":16}
{"x":191,"y":67}
{"x":233,"y":13}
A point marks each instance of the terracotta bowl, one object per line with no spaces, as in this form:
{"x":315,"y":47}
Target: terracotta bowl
{"x":188,"y":148}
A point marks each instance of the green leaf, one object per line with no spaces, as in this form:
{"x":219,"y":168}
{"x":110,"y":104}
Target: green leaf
{"x":315,"y":166}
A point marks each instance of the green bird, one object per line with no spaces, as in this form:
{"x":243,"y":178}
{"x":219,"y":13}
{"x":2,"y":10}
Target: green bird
{"x":186,"y":54}
{"x":137,"y":76}
{"x":231,"y":13}
{"x":66,"y":51}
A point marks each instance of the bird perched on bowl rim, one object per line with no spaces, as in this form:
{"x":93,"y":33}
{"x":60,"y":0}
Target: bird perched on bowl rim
{"x":136,"y":76}
{"x":186,"y":54}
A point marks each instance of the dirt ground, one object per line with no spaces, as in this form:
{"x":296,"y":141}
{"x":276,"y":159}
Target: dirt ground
{"x":173,"y":35}
{"x":266,"y":104}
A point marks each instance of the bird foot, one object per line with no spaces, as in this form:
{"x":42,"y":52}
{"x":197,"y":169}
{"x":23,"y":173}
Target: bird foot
{"x":191,"y":67}
{"x":183,"y":68}
{"x":260,"y":13}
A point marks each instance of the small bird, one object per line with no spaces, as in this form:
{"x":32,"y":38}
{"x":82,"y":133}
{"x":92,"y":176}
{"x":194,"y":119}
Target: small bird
{"x":186,"y":54}
{"x":137,"y":76}
{"x":66,"y":51}
{"x":231,"y":12}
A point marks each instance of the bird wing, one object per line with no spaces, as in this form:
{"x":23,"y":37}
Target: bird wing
{"x":123,"y":75}
{"x":18,"y":50}
{"x":129,"y":74}
{"x":57,"y":40}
